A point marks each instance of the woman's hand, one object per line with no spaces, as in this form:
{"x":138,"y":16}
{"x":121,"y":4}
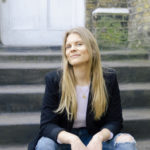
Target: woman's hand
{"x":95,"y":143}
{"x":77,"y":144}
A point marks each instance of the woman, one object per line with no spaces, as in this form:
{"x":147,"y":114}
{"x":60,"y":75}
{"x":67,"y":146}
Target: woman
{"x":81,"y":106}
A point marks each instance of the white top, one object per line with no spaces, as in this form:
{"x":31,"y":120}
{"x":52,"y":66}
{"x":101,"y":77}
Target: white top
{"x":82,"y":102}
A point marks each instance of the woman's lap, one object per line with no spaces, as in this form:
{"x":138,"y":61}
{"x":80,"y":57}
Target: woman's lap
{"x":47,"y":144}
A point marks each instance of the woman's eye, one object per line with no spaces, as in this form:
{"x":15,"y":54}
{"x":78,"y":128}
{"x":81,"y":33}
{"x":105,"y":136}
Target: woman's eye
{"x":68,"y":46}
{"x":79,"y":44}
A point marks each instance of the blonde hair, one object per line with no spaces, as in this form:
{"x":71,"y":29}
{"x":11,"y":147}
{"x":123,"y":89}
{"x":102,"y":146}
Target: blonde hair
{"x":68,"y":100}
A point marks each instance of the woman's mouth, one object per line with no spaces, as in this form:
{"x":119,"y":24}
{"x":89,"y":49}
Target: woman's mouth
{"x":74,"y":56}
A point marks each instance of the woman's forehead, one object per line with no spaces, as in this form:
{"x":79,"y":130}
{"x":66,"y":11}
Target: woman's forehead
{"x":73,"y":37}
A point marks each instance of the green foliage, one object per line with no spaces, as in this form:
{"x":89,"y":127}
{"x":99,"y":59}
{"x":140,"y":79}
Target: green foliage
{"x":111,"y":32}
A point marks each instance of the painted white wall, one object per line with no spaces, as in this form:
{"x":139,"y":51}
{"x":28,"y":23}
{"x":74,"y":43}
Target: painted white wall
{"x":39,"y":22}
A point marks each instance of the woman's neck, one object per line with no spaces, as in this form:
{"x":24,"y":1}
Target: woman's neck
{"x":82,"y":75}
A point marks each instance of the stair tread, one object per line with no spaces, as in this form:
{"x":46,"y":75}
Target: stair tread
{"x":13,"y":147}
{"x":22,"y":89}
{"x":127,"y":63}
{"x":4,"y":89}
{"x":25,"y":65}
{"x":26,"y":118}
{"x":19,"y":118}
{"x":31,"y":53}
{"x":141,"y":145}
{"x":28,"y":48}
{"x":134,"y":86}
{"x":125,"y":52}
{"x":41,"y":65}
{"x":136,"y":114}
{"x":59,"y":52}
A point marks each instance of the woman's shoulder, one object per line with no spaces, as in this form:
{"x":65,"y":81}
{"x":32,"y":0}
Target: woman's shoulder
{"x":54,"y":75}
{"x":109,"y":73}
{"x":110,"y":77}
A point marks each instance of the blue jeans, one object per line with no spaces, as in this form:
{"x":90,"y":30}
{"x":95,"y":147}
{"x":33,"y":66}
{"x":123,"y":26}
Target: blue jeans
{"x":45,"y":143}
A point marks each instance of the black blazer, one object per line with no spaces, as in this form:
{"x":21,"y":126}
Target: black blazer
{"x":52,"y":123}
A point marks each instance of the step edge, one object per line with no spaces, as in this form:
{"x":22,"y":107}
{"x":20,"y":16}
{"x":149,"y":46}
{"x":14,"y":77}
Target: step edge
{"x":40,"y":88}
{"x":33,"y":118}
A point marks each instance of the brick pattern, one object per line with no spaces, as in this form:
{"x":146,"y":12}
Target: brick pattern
{"x":139,"y":23}
{"x":90,"y":6}
{"x":93,"y":4}
{"x":112,"y":3}
{"x":111,"y":30}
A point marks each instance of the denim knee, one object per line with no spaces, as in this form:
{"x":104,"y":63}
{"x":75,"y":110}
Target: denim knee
{"x":45,"y":143}
{"x":124,"y":141}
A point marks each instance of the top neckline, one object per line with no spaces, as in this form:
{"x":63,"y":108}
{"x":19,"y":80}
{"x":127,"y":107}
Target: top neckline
{"x":83,"y":86}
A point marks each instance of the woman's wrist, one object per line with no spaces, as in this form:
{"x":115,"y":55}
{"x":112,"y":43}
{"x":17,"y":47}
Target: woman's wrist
{"x":73,"y":138}
{"x":103,"y":135}
{"x":65,"y":137}
{"x":99,"y":137}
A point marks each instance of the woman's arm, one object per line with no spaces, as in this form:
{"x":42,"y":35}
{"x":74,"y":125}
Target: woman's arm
{"x":104,"y":135}
{"x":65,"y":137}
{"x":113,"y":117}
{"x":49,"y":126}
{"x":98,"y":138}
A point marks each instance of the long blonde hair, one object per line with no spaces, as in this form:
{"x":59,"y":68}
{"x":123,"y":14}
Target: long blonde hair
{"x":68,"y":100}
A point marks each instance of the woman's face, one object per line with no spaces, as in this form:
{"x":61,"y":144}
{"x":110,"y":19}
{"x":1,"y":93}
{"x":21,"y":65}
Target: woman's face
{"x":76,"y":51}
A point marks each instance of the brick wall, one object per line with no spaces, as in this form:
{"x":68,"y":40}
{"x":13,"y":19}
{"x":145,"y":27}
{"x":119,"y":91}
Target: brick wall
{"x":90,"y":6}
{"x":112,"y":3}
{"x":109,"y":29}
{"x":93,"y":4}
{"x":139,"y":24}
{"x":138,"y":28}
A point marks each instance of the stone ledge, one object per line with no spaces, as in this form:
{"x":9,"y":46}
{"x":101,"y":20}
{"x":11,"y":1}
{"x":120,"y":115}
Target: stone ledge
{"x":110,"y":11}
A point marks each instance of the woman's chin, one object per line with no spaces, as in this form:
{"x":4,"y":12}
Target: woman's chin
{"x":79,"y":64}
{"x":74,"y":62}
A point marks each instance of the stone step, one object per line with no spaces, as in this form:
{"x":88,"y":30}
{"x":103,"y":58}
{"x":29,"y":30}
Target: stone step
{"x":20,"y":128}
{"x":134,"y":119}
{"x":5,"y":48}
{"x":19,"y":98}
{"x":16,"y":98}
{"x":33,"y":73}
{"x":141,"y":145}
{"x":13,"y":147}
{"x":135,"y":95}
{"x":55,"y":56}
{"x":124,"y":55}
{"x":38,"y":56}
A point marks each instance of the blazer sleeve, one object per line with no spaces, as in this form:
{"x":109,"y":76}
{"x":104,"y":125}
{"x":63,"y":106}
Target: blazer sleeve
{"x":49,"y":126}
{"x":113,"y":118}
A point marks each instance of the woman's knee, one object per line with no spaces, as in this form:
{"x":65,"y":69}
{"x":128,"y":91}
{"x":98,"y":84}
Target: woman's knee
{"x":45,"y":143}
{"x":124,"y":138}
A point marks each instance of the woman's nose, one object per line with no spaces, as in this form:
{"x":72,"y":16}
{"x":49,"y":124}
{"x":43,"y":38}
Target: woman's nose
{"x":73,"y":48}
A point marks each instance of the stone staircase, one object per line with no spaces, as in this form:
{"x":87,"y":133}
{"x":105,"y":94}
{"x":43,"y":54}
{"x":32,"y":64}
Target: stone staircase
{"x":22,"y":85}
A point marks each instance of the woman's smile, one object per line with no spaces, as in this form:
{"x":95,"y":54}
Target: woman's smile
{"x":75,"y":55}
